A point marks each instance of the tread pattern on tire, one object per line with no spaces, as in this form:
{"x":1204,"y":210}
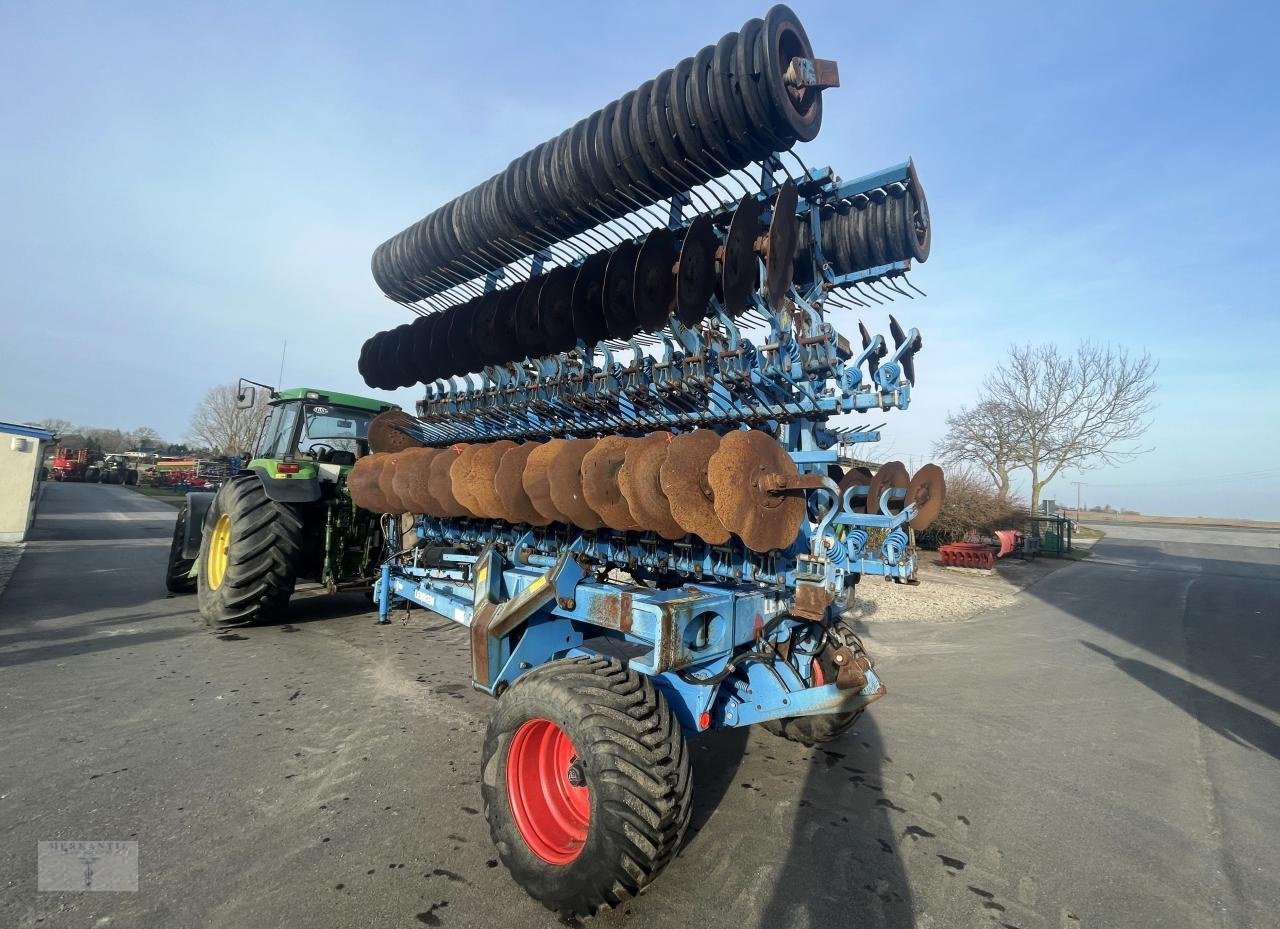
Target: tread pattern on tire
{"x":263,"y":558}
{"x":638,"y":765}
{"x":177,"y":569}
{"x":812,"y":730}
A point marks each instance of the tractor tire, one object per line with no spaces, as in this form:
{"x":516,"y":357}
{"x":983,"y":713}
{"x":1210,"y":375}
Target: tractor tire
{"x":92,"y":475}
{"x":615,"y":808}
{"x":131,"y":478}
{"x":813,"y":730}
{"x":178,"y":569}
{"x":249,"y":555}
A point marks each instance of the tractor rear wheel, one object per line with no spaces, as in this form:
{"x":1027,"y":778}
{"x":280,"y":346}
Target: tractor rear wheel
{"x":249,"y":555}
{"x":586,"y":783}
{"x":177,"y":572}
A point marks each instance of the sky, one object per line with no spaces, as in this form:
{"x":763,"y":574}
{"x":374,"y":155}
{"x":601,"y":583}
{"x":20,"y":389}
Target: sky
{"x":184,"y":187}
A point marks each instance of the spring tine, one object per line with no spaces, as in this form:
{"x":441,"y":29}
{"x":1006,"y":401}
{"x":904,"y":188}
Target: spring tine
{"x":913,"y":286}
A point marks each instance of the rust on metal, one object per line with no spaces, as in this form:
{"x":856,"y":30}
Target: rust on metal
{"x":856,"y":477}
{"x":600,"y":468}
{"x":440,"y":484}
{"x":385,"y":433}
{"x":461,"y":477}
{"x":484,"y":470}
{"x":639,"y":480}
{"x":928,"y":491}
{"x":362,"y":483}
{"x":851,"y":668}
{"x":537,"y":480}
{"x":743,"y":473}
{"x":565,"y":477}
{"x":386,"y":484}
{"x":612,"y":611}
{"x":410,"y":481}
{"x":892,"y":474}
{"x":812,"y":600}
{"x":508,"y":483}
{"x":683,"y":477}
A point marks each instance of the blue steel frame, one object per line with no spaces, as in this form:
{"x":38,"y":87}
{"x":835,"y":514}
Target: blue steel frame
{"x":719,"y":628}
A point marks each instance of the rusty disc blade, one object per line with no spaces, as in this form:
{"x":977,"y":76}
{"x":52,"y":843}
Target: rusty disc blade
{"x":588,"y":300}
{"x":362,"y":483}
{"x":484,"y":472}
{"x":410,"y":481}
{"x":537,"y":480}
{"x":516,"y":506}
{"x":618,"y":297}
{"x":779,"y":263}
{"x":696,"y":277}
{"x":855,"y":477}
{"x":683,"y":477}
{"x":566,"y":484}
{"x":440,"y":484}
{"x":639,"y":478}
{"x":892,"y":474}
{"x":741,"y":472}
{"x":600,"y":482}
{"x":466,"y":482}
{"x":385,"y":434}
{"x":386,"y":484}
{"x":928,"y":491}
{"x":654,"y":290}
{"x":738,"y":269}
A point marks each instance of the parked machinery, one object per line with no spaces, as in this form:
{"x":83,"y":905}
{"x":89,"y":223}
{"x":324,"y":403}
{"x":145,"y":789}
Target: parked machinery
{"x":622,"y":475}
{"x":76,"y":464}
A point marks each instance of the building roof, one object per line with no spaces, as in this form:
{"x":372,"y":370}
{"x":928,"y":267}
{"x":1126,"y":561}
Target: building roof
{"x":33,"y":432}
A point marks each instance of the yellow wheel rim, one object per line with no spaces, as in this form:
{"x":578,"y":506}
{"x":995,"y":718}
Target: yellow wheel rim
{"x":219,"y":542}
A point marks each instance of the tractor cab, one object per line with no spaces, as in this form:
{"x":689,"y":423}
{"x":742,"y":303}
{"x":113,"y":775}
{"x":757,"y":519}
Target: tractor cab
{"x":309,"y":438}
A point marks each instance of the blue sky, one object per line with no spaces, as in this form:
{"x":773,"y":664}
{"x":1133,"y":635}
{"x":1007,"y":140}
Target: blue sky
{"x":184,"y":186}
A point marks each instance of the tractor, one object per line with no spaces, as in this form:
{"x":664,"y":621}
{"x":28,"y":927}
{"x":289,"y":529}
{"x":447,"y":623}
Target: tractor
{"x":117,"y":469}
{"x":285,"y":517}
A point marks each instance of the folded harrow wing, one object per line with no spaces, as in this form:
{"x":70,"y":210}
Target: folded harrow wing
{"x":624,"y":475}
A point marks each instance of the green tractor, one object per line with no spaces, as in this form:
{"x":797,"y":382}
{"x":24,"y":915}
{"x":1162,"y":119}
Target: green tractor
{"x":117,"y":469}
{"x":284,"y":517}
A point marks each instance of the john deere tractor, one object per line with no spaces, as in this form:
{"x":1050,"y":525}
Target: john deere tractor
{"x":284,"y":517}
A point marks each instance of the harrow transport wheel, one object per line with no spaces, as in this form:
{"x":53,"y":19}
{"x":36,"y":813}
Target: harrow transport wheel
{"x":586,"y":783}
{"x":249,"y":555}
{"x":812,"y":730}
{"x":176,"y":580}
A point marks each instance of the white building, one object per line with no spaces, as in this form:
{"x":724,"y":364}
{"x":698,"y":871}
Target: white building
{"x":21,"y":457}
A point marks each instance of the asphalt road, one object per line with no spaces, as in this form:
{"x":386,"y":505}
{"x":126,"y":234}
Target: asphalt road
{"x":1101,"y":753}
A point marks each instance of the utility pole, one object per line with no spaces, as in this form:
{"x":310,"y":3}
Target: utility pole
{"x":1078,"y":484}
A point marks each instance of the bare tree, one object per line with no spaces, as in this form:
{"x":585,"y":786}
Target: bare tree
{"x":1060,"y":411}
{"x":58,"y":426}
{"x":984,"y":435}
{"x":144,"y":437}
{"x":220,"y":424}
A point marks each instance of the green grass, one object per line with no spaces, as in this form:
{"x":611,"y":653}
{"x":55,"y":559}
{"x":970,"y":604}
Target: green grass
{"x":172,"y":497}
{"x":1088,"y":532}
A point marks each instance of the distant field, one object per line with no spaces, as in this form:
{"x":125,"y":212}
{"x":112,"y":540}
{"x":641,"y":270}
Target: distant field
{"x":1103,"y":518}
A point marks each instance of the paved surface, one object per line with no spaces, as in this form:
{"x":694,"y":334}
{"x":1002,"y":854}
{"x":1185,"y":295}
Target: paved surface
{"x":1102,"y":752}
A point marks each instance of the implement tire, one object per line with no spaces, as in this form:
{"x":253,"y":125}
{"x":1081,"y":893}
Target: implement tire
{"x":614,"y":809}
{"x":178,"y":569}
{"x":813,"y":730}
{"x":249,"y":555}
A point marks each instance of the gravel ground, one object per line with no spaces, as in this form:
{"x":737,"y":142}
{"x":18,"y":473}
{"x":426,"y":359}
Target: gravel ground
{"x":947,"y":595}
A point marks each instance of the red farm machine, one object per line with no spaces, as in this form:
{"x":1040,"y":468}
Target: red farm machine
{"x":76,"y":464}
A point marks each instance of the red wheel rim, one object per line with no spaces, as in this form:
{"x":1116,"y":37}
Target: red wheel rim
{"x":550,"y":810}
